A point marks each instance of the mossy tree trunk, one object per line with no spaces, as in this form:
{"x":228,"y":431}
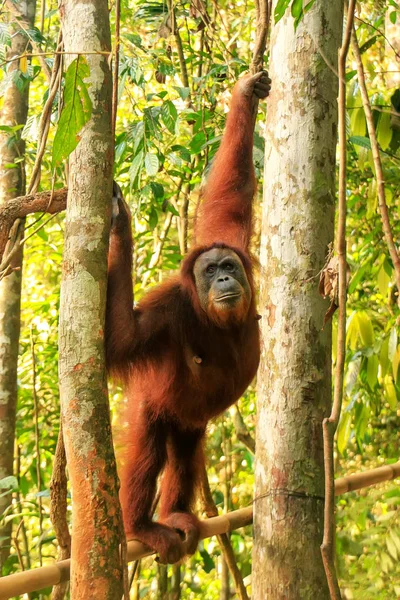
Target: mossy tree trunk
{"x":96,"y":568}
{"x":294,"y":380}
{"x":12,"y":183}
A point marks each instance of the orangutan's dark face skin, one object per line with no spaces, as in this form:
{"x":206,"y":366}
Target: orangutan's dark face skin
{"x":222,"y":284}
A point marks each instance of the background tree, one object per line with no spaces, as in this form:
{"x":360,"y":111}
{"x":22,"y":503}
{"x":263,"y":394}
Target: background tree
{"x":96,"y":564}
{"x":294,"y":383}
{"x":13,"y":116}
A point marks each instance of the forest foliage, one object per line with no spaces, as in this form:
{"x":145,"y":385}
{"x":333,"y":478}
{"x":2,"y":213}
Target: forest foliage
{"x":175,"y":76}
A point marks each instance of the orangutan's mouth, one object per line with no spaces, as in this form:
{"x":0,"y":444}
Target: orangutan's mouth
{"x":227,"y":297}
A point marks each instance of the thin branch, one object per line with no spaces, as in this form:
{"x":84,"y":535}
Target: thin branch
{"x":380,"y":33}
{"x":20,"y":207}
{"x":56,"y":53}
{"x":10,"y":249}
{"x":263,"y":15}
{"x":378,"y":164}
{"x":330,"y":424}
{"x":37,"y":445}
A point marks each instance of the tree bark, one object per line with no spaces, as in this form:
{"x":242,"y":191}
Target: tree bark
{"x":294,"y":379}
{"x":96,"y":565}
{"x":12,"y":183}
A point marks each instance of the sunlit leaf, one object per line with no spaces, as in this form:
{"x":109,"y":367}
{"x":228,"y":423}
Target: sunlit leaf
{"x":365,"y":328}
{"x":392,"y":343}
{"x":344,"y":431}
{"x":384,"y":131}
{"x":151,"y":164}
{"x":358,"y":123}
{"x":372,"y":370}
{"x":390,"y":392}
{"x":76,"y":112}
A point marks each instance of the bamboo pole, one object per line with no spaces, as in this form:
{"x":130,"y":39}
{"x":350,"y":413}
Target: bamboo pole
{"x":36,"y":579}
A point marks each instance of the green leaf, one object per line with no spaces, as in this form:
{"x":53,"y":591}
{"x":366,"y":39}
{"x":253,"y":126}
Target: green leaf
{"x":208,"y":563}
{"x":280,"y":9}
{"x":136,"y":165}
{"x":183,"y":92}
{"x":153,"y":218}
{"x":307,"y":7}
{"x":358,"y":122}
{"x":169,"y":115}
{"x":352,"y":331}
{"x":384,"y":277}
{"x":393,"y":17}
{"x":157,"y":189}
{"x":76,"y":112}
{"x":392,"y":343}
{"x":384,"y":132}
{"x":353,"y":371}
{"x":372,"y":199}
{"x":368,"y":44}
{"x":366,"y":329}
{"x":151,"y":164}
{"x":360,"y":141}
{"x":384,"y":356}
{"x":372,"y":370}
{"x":5,"y":37}
{"x":344,"y":432}
{"x":390,"y":392}
{"x":297,"y":8}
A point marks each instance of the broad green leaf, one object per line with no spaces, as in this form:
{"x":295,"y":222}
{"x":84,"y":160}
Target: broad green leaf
{"x":372,"y":370}
{"x":360,"y":141}
{"x":358,"y":123}
{"x":353,"y":371}
{"x":372,"y":199}
{"x":384,"y":278}
{"x":280,"y":9}
{"x":352,"y":331}
{"x":153,"y":218}
{"x":366,"y":329}
{"x":361,"y":419}
{"x":392,"y":343}
{"x":183,"y":92}
{"x":390,"y":392}
{"x":307,"y":6}
{"x":169,"y":115}
{"x":151,"y":164}
{"x":384,"y":357}
{"x":76,"y":112}
{"x":384,"y":131}
{"x":297,"y":8}
{"x":395,"y":363}
{"x":344,"y":432}
{"x":136,"y":166}
{"x":157,"y":189}
{"x":393,"y":17}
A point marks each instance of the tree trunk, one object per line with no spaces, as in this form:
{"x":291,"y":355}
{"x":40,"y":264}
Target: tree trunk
{"x":294,"y":380}
{"x":12,"y":183}
{"x":96,"y":567}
